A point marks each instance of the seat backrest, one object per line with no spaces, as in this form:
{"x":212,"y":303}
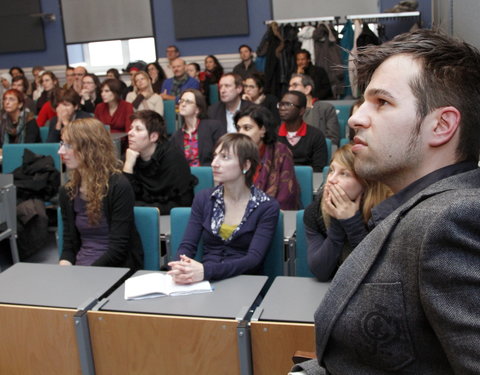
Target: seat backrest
{"x":169,"y":115}
{"x":44,"y":133}
{"x":213,"y":94}
{"x":205,"y":177}
{"x":325,"y":171}
{"x":304,"y":175}
{"x":274,"y":264}
{"x":343,"y":114}
{"x":179,"y":217}
{"x":147,"y":222}
{"x":13,"y":154}
{"x":301,"y":263}
{"x":329,"y":149}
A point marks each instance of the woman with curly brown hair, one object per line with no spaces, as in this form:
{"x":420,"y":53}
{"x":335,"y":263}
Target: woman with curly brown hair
{"x":97,"y":201}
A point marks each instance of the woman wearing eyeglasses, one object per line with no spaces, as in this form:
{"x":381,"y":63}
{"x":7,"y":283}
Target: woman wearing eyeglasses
{"x":253,"y":92}
{"x":97,"y":201}
{"x":198,"y":134}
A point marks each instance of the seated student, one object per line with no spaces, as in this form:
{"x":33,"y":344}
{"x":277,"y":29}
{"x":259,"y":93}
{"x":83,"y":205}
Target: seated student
{"x":193,"y":70}
{"x":17,"y":124}
{"x":97,"y":203}
{"x":113,"y":73}
{"x":319,"y":113}
{"x":235,"y":220}
{"x":142,"y":96}
{"x":90,"y":93}
{"x":253,"y":87}
{"x":114,"y":111}
{"x":211,"y":75}
{"x":336,"y":221}
{"x":198,"y":134}
{"x":275,"y":174}
{"x":45,"y":110}
{"x":157,"y":170}
{"x":66,"y":104}
{"x":21,"y":84}
{"x":157,"y":75}
{"x":173,"y":87}
{"x":306,"y":142}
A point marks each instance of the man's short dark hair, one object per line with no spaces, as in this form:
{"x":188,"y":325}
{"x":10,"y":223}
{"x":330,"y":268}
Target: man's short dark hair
{"x":302,"y":98}
{"x":264,"y":119}
{"x":153,"y":121}
{"x":175,"y":47}
{"x":449,"y":76}
{"x":24,"y":82}
{"x":259,"y":79}
{"x":304,"y":52}
{"x":244,"y":46}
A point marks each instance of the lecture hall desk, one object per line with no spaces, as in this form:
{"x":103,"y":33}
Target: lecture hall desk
{"x":283,"y":323}
{"x":37,"y":307}
{"x":193,"y":334}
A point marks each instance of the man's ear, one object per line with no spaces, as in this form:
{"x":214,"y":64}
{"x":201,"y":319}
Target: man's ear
{"x":445,"y":124}
{"x":308,"y":90}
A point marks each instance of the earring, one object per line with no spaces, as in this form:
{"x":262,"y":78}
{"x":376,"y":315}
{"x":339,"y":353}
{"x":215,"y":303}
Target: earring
{"x":244,"y":171}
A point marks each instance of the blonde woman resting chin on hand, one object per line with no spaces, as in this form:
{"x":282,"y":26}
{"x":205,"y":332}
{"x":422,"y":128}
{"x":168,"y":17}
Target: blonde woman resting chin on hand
{"x":335,"y":223}
{"x":235,"y":220}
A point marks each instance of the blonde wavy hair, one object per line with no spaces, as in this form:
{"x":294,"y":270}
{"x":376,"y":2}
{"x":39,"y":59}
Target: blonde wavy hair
{"x":374,"y":193}
{"x":94,"y":150}
{"x":149,"y":80}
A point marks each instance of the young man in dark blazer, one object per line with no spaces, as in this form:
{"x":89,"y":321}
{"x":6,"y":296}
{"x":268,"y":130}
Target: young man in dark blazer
{"x":406,"y":300}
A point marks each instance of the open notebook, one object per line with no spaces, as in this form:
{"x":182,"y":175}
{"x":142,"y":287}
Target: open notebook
{"x":157,"y":284}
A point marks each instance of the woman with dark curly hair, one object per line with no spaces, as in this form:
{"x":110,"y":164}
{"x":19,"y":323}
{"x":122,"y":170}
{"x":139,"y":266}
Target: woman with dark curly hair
{"x":97,"y":201}
{"x":211,"y":75}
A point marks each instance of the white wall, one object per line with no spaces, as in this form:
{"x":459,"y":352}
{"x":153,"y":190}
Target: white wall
{"x":287,"y":9}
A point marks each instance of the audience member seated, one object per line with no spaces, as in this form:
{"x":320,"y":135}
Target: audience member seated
{"x":17,"y":124}
{"x":212,"y":74}
{"x":320,"y":114}
{"x":156,"y":169}
{"x":322,"y":88}
{"x":246,"y":67}
{"x":66,"y":104}
{"x":36,"y":86}
{"x":230,"y":88}
{"x":79,"y":72}
{"x":115,"y":74}
{"x":253,"y":87}
{"x":306,"y":142}
{"x":336,"y":222}
{"x":97,"y":203}
{"x":142,"y":96}
{"x":16,"y":71}
{"x":21,"y":84}
{"x":157,"y":75}
{"x":69,"y":77}
{"x":193,"y":70}
{"x":198,"y":135}
{"x":114,"y":111}
{"x":49,"y":83}
{"x":235,"y":220}
{"x":173,"y":87}
{"x":275,"y":174}
{"x":171,"y":53}
{"x":90,"y":94}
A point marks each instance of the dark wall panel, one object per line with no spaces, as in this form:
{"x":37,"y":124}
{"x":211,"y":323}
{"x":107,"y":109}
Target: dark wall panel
{"x":21,"y":26}
{"x":210,"y":18}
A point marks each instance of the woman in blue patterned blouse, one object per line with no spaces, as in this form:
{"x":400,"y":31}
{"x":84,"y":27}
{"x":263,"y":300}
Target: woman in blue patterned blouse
{"x":235,"y":220}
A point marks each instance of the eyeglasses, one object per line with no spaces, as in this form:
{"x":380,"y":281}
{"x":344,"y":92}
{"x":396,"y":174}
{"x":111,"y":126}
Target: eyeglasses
{"x":67,"y":146}
{"x":186,"y":101}
{"x":286,"y":105}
